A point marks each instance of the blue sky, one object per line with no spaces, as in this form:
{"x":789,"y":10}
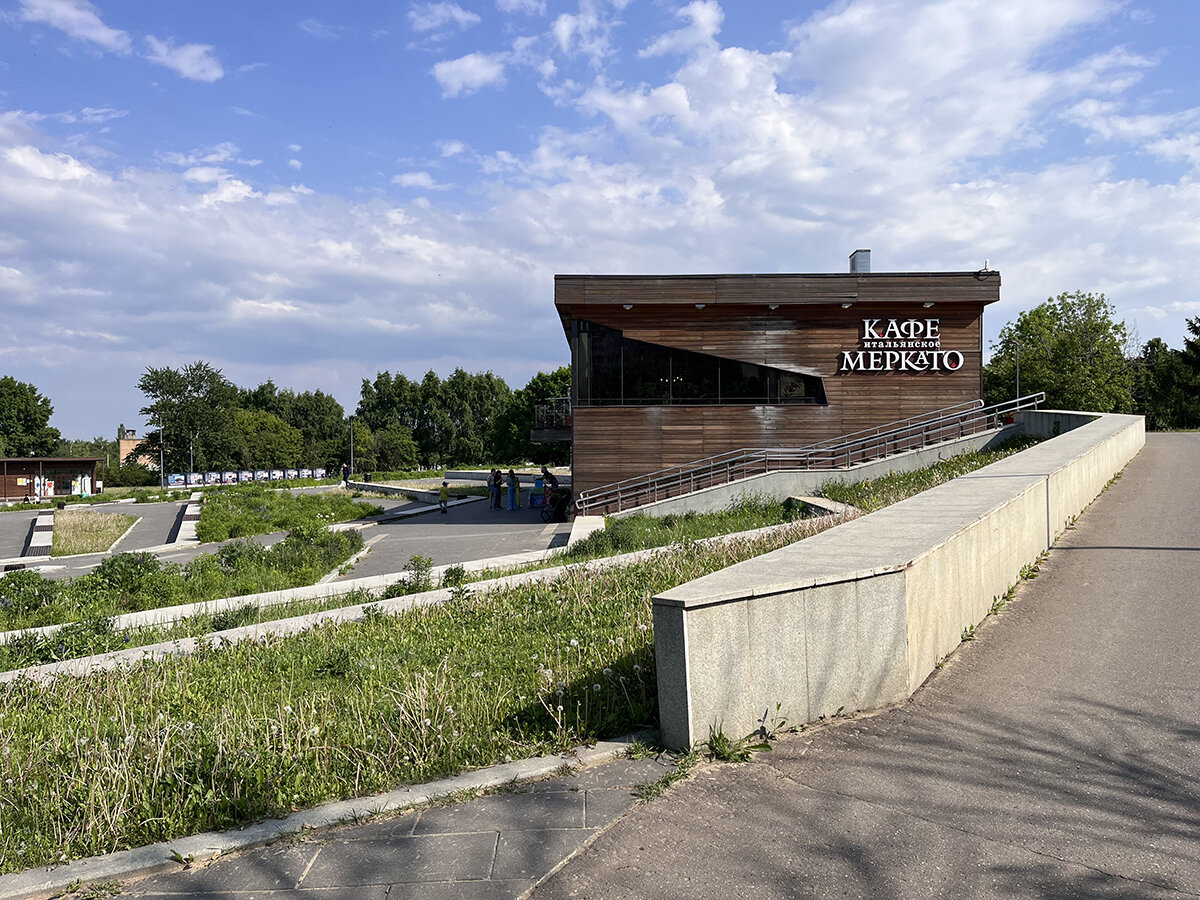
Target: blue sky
{"x":315,"y":192}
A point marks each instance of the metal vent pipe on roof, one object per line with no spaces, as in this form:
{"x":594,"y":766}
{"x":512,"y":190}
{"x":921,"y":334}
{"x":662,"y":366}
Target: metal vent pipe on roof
{"x":860,"y":262}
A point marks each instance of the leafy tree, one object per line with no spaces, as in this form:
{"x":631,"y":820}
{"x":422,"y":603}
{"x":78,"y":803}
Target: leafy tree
{"x":511,"y":430}
{"x":321,"y":421}
{"x":190,"y":410}
{"x":390,"y":399}
{"x":130,"y":475}
{"x":318,"y":417}
{"x":1161,"y":388}
{"x":451,"y":421}
{"x":1191,"y":377}
{"x":1070,"y":347}
{"x":266,"y":440}
{"x":24,"y":418}
{"x":395,"y":449}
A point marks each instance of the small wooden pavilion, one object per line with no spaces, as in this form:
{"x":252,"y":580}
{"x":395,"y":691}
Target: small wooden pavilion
{"x":44,"y":477}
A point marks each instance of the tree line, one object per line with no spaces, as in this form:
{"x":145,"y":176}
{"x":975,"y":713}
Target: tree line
{"x":206,"y":423}
{"x":1075,"y":349}
{"x":200,"y":421}
{"x":1072,"y":347}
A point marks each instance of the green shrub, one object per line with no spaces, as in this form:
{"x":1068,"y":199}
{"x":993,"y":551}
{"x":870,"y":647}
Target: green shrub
{"x":249,"y":509}
{"x":128,"y":582}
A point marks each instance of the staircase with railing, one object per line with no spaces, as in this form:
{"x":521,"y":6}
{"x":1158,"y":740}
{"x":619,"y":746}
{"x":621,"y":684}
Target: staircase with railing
{"x":914,"y":433}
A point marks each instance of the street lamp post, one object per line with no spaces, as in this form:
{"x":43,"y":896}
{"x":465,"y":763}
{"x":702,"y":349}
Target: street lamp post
{"x":1018,"y":371}
{"x":162,"y":466}
{"x":352,"y":445}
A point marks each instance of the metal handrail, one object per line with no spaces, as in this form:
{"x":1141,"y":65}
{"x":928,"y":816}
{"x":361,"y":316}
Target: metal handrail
{"x":912,"y":433}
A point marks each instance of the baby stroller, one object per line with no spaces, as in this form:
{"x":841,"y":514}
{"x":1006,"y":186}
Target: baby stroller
{"x":556,"y":506}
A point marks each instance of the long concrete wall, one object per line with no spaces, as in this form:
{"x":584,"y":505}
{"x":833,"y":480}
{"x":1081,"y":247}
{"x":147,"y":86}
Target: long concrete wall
{"x":857,"y":617}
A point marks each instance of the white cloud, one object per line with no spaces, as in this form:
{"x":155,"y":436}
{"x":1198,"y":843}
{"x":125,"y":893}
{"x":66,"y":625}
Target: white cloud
{"x":704,"y":19}
{"x":224,"y":152}
{"x":419,"y":180}
{"x":294,"y":148}
{"x":204,"y":174}
{"x":78,"y":19}
{"x":431,"y":16}
{"x":252,"y":67}
{"x":92,"y":116}
{"x":260,"y":309}
{"x":469,"y":73}
{"x":530,"y":7}
{"x":588,"y":32}
{"x":50,"y":166}
{"x":193,"y":61}
{"x":295,"y":164}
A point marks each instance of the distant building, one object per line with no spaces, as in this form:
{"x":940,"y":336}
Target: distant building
{"x":126,"y":445}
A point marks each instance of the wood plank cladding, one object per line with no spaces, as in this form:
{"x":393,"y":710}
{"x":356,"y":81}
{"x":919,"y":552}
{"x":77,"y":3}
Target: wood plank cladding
{"x":807,"y":332}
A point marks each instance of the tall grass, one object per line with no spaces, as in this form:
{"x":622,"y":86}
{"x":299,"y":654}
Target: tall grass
{"x":87,"y":531}
{"x":187,"y":744}
{"x":244,"y":510}
{"x":876,"y":493}
{"x":625,"y":534}
{"x":129,"y":582}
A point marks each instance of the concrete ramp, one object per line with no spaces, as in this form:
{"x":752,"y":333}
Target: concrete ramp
{"x":858,"y":616}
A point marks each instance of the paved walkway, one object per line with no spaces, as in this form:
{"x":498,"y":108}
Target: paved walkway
{"x":495,"y":846}
{"x":466,"y":532}
{"x":1056,"y":756}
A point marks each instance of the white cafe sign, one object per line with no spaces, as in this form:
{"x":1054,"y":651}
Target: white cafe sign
{"x":900,"y":345}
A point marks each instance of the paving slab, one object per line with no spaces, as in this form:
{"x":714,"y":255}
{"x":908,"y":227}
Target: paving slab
{"x":493,"y":846}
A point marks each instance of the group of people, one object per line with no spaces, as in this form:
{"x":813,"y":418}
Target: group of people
{"x":498,"y":482}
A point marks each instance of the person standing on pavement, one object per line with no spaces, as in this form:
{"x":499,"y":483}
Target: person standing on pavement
{"x":345,"y":475}
{"x":444,"y":495}
{"x":512,"y":489}
{"x":493,"y":489}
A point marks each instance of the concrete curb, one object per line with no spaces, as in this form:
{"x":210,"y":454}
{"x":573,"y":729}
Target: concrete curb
{"x":41,"y":538}
{"x":584,"y":526}
{"x":163,"y":857}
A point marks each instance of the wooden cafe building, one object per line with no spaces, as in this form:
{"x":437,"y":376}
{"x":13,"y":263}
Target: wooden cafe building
{"x":674,"y":368}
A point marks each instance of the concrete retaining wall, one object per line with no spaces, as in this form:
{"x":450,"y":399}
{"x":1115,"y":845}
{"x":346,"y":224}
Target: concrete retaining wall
{"x":857,"y":617}
{"x":803,"y":484}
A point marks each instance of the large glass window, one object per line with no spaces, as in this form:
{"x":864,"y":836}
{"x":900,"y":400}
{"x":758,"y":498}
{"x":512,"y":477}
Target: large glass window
{"x":612,"y":370}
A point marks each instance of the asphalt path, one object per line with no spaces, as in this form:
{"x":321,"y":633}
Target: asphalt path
{"x":14,"y":532}
{"x":1058,"y":755}
{"x":466,"y":532}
